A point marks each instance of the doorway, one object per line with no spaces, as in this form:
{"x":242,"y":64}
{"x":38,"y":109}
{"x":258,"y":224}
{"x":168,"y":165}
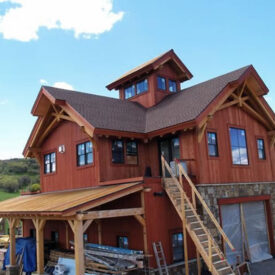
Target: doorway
{"x":246,"y":226}
{"x":170,"y":149}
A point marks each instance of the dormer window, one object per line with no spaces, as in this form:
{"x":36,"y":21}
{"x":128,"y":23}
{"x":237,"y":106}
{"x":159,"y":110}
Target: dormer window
{"x":172,"y":86}
{"x":130,"y":91}
{"x":161,"y":83}
{"x":142,"y":86}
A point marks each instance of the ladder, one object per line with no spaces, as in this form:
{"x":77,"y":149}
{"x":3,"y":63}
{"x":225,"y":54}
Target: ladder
{"x":160,"y":258}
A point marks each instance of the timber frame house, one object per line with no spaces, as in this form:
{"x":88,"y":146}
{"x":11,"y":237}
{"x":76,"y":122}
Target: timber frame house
{"x":160,"y":163}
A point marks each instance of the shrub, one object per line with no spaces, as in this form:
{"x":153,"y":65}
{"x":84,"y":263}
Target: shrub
{"x":34,"y":187}
{"x":11,"y":185}
{"x":24,"y":181}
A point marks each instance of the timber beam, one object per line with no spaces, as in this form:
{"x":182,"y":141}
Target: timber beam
{"x":102,"y":214}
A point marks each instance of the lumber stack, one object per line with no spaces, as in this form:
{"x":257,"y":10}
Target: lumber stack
{"x":4,"y":241}
{"x":102,"y":259}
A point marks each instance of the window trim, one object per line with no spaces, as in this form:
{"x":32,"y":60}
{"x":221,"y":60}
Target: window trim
{"x":265,"y":154}
{"x":240,"y":127}
{"x":76,"y":153}
{"x":48,"y":153}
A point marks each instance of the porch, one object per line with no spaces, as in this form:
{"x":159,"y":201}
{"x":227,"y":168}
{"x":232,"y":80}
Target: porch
{"x":76,"y":208}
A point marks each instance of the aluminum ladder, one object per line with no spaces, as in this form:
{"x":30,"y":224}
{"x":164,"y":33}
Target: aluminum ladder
{"x":160,"y":258}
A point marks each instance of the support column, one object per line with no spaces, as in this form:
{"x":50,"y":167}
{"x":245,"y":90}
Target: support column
{"x":144,"y":225}
{"x":39,"y":228}
{"x":77,"y":228}
{"x":184,"y":234}
{"x":99,"y":231}
{"x":198,"y":262}
{"x":12,"y":225}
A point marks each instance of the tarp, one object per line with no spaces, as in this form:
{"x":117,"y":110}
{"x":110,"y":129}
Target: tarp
{"x":28,"y":246}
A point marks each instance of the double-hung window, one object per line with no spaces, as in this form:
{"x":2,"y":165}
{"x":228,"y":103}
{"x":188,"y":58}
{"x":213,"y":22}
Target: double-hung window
{"x":161,"y":83}
{"x":117,"y":151}
{"x":49,"y":163}
{"x":212,"y":143}
{"x":238,"y":146}
{"x":260,"y":147}
{"x":172,"y":86}
{"x":85,"y":153}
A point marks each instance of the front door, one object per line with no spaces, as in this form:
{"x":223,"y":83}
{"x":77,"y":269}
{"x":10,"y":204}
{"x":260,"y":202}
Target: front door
{"x":170,"y":149}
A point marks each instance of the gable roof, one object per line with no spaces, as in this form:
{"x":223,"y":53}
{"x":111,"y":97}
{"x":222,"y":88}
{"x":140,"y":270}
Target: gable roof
{"x":122,"y":115}
{"x":151,"y":65}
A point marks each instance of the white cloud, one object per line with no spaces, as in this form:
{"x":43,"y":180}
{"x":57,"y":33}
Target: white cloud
{"x":86,"y":18}
{"x":63,"y":85}
{"x":43,"y":82}
{"x":4,"y":102}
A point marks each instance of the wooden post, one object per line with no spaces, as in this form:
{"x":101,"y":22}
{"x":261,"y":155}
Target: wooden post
{"x":144,"y":226}
{"x":12,"y":225}
{"x":210,"y":253}
{"x":184,"y":235}
{"x":198,"y":262}
{"x":39,"y":227}
{"x":67,"y":235}
{"x":99,"y":231}
{"x":77,"y":228}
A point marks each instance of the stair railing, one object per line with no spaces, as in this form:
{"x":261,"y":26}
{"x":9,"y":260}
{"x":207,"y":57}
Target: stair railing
{"x":184,"y":198}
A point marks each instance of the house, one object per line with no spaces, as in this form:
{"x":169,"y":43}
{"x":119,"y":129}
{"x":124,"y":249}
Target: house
{"x":140,"y":169}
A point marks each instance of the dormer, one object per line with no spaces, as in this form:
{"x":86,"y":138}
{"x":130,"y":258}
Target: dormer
{"x":150,"y":82}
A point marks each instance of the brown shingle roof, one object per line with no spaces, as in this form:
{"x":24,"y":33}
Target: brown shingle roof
{"x":122,"y":115}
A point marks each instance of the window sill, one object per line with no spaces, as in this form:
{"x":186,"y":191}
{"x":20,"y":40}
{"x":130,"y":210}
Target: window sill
{"x":85,"y":166}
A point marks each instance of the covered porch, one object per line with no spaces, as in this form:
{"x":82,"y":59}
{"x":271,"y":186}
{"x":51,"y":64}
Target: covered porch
{"x":77,"y":208}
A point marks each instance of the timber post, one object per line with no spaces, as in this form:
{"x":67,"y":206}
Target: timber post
{"x":12,"y":225}
{"x":39,"y":227}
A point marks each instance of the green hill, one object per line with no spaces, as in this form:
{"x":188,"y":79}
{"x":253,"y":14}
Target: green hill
{"x":16,"y":175}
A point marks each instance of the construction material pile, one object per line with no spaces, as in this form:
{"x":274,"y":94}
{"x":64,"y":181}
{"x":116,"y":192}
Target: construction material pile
{"x":2,"y":256}
{"x":112,"y":260}
{"x":100,"y":259}
{"x":4,"y":241}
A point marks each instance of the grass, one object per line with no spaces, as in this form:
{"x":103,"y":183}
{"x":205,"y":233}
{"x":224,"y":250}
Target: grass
{"x":5,"y":195}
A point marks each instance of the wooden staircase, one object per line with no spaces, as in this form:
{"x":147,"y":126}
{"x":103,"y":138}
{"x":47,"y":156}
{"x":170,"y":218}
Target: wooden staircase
{"x":205,"y":244}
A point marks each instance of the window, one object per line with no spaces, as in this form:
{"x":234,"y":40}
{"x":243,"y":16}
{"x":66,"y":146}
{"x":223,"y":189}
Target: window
{"x":129,"y":92}
{"x":161,"y":83}
{"x":238,"y":146}
{"x":172,"y":86}
{"x":177,"y":246}
{"x":54,"y":236}
{"x":122,"y":242}
{"x":212,"y":144}
{"x":142,"y":86}
{"x":84,"y":153}
{"x":117,"y":151}
{"x":175,"y":147}
{"x":131,"y":152}
{"x":49,"y":163}
{"x":260,"y":146}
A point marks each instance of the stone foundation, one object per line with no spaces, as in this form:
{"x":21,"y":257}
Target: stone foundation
{"x":212,"y":192}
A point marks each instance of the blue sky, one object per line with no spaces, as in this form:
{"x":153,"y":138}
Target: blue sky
{"x":88,"y":43}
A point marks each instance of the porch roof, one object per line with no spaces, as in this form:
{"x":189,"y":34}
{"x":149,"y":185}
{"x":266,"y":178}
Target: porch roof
{"x":66,"y":203}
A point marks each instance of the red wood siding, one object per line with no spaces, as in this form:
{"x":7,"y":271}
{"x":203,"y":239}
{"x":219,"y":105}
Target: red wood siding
{"x":68,"y":175}
{"x":220,"y":169}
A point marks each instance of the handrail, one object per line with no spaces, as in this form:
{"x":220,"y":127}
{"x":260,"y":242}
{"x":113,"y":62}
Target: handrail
{"x":196,"y":192}
{"x":184,"y":197}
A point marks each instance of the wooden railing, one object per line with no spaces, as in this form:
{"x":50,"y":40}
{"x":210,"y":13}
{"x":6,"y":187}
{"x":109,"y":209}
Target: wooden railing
{"x":195,"y":194}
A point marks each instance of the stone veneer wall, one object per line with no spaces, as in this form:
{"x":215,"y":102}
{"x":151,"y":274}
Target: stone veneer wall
{"x":212,"y":192}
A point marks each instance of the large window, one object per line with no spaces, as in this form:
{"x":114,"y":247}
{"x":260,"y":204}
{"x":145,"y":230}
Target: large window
{"x":117,"y":151}
{"x":142,"y":86}
{"x":161,"y":83}
{"x":172,"y":86}
{"x":238,"y":146}
{"x":177,"y":246}
{"x":84,"y":153}
{"x":260,"y":147}
{"x":49,"y":163}
{"x":130,"y":91}
{"x":212,"y":144}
